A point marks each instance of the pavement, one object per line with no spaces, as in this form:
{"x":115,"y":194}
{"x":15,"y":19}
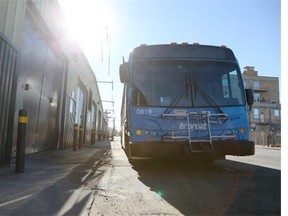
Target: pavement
{"x":53,"y":182}
{"x":56,"y":182}
{"x":267,"y":147}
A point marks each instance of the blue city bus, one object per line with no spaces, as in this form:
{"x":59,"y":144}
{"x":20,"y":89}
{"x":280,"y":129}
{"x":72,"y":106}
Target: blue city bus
{"x":184,"y":100}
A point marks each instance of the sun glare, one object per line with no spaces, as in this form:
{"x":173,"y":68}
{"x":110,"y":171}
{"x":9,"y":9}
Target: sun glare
{"x":87,"y":21}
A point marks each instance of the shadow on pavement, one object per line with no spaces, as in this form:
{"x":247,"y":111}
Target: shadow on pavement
{"x":55,"y":182}
{"x":220,"y":188}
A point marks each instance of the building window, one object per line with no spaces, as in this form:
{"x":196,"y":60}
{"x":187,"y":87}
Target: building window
{"x":90,"y":100}
{"x":256,"y":113}
{"x":256,"y":96}
{"x":262,"y":117}
{"x":256,"y":85}
{"x":276,"y":113}
{"x":245,"y":84}
{"x":71,"y":105}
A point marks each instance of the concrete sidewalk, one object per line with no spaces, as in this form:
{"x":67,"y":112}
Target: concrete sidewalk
{"x":53,"y":182}
{"x":267,"y":147}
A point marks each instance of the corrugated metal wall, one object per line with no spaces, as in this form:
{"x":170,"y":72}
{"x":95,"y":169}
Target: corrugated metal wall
{"x":8,"y":61}
{"x":39,"y":86}
{"x":11,"y":20}
{"x":50,"y":70}
{"x":11,"y":16}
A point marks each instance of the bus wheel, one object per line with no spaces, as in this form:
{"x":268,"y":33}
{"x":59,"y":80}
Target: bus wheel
{"x":126,"y":144}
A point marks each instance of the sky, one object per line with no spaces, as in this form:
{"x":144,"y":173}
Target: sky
{"x":108,"y":30}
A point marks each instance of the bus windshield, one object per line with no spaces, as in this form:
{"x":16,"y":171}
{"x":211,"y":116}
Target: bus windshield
{"x":194,"y":83}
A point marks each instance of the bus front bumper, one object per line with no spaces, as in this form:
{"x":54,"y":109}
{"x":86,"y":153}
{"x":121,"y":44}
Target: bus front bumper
{"x":155,"y":149}
{"x":238,"y":148}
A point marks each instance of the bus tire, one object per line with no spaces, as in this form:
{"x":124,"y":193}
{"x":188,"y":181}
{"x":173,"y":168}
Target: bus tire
{"x":126,"y":145}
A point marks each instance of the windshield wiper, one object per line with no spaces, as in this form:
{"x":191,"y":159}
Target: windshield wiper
{"x":209,"y":100}
{"x":179,"y":95}
{"x":194,"y":87}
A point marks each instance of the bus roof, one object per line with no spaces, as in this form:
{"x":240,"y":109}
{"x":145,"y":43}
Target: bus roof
{"x":181,"y":51}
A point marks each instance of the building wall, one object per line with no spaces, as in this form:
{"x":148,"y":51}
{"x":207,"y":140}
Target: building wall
{"x":11,"y":16}
{"x":39,"y":89}
{"x":46,"y":73}
{"x":82,"y":88}
{"x":265,"y":117}
{"x":11,"y":20}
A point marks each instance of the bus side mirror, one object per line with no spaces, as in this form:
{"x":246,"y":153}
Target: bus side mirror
{"x":250,"y":97}
{"x":123,"y":72}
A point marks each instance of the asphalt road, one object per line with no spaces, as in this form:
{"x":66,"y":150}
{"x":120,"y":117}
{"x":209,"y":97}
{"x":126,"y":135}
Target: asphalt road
{"x":236,"y":186}
{"x":264,"y":156}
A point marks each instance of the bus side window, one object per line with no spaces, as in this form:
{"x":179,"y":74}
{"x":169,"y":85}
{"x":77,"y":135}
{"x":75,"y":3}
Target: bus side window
{"x":138,"y":98}
{"x":225,"y":84}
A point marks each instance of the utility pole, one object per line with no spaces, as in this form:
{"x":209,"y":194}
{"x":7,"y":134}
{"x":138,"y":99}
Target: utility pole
{"x":106,"y":110}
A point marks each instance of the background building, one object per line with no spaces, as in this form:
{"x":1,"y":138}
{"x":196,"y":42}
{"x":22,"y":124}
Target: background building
{"x":265,"y":117}
{"x":45,"y":72}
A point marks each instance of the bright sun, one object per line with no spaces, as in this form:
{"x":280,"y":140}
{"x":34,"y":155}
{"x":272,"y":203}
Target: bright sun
{"x":87,"y":21}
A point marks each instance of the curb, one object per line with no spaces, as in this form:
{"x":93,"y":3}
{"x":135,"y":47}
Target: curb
{"x":266,"y":147}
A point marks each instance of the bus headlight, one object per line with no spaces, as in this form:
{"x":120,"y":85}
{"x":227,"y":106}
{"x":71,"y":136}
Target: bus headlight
{"x":230,"y":132}
{"x":242,"y":130}
{"x":138,"y":132}
{"x":155,"y":133}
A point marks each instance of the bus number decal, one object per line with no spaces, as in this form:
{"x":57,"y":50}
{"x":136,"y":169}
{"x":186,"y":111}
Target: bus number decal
{"x":143,"y":111}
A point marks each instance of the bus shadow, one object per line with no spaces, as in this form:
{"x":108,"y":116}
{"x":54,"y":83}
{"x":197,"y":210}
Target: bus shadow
{"x":220,"y":188}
